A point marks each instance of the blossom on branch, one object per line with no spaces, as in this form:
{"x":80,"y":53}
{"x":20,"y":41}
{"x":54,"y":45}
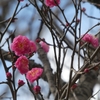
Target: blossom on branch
{"x":22,"y":64}
{"x":51,"y":3}
{"x":22,"y":46}
{"x":91,"y":40}
{"x":45,"y":46}
{"x":87,"y":38}
{"x":34,"y":74}
{"x":95,"y":42}
{"x":33,"y":47}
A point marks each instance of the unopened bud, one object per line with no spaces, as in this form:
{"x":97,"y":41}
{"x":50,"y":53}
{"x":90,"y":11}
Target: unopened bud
{"x":36,"y":89}
{"x":20,"y":83}
{"x":9,"y":75}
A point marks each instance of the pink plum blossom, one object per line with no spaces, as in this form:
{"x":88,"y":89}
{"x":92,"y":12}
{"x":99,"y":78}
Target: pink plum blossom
{"x":51,"y":3}
{"x":91,"y":40}
{"x":33,"y":47}
{"x":36,"y":89}
{"x":95,"y":42}
{"x":87,"y":38}
{"x":20,"y":83}
{"x":22,"y":64}
{"x":20,"y":45}
{"x":34,"y":74}
{"x":45,"y":46}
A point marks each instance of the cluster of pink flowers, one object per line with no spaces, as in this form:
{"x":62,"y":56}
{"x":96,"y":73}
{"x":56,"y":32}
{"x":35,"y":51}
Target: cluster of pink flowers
{"x":91,"y":40}
{"x":21,"y":45}
{"x":51,"y":3}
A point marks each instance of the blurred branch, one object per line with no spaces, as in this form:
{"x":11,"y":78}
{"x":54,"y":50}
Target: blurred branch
{"x":84,"y":89}
{"x":47,"y":69}
{"x":3,"y":33}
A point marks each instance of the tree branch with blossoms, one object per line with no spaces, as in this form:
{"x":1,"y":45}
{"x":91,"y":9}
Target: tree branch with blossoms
{"x":21,"y":50}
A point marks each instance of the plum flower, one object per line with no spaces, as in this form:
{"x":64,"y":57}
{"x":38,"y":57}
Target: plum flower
{"x":45,"y":46}
{"x":91,"y":40}
{"x":36,"y":89}
{"x":33,"y":47}
{"x":20,"y":45}
{"x":87,"y":38}
{"x":34,"y":74}
{"x":22,"y":64}
{"x":51,"y":3}
{"x":95,"y":42}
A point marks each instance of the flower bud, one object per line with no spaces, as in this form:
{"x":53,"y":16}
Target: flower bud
{"x":83,"y":9}
{"x":86,"y":70}
{"x":20,"y":83}
{"x":36,"y":89}
{"x":9,"y":75}
{"x":73,"y":86}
